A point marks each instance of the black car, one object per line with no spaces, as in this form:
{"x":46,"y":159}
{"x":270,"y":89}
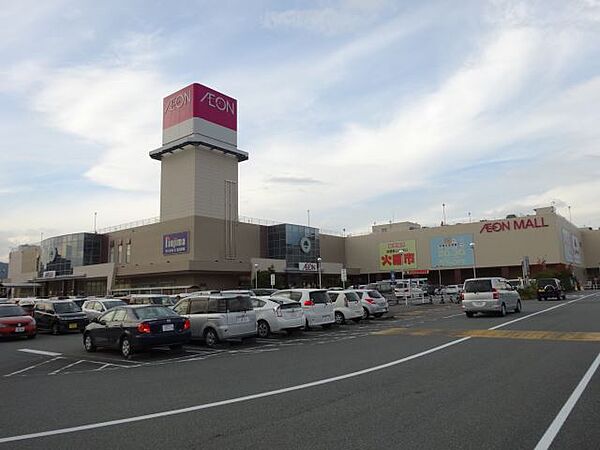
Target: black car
{"x":59,"y":316}
{"x":136,"y":327}
{"x":550,"y":288}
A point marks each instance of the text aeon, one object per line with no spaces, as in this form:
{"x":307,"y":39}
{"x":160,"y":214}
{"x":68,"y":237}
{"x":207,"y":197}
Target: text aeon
{"x":516,"y":224}
{"x":178,"y":101}
{"x":219,"y":103}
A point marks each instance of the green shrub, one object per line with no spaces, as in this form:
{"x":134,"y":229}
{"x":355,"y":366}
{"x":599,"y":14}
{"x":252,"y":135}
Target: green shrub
{"x":528,"y":293}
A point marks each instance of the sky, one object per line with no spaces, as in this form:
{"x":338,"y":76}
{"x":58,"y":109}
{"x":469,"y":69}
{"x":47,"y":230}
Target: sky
{"x":360,"y":111}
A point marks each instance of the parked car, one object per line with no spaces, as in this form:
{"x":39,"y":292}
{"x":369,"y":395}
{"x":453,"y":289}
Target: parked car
{"x":216,"y":318}
{"x":14,"y":321}
{"x":151,"y":299}
{"x":346,"y":306}
{"x":134,"y":328}
{"x":277,"y":314}
{"x":316,"y":304}
{"x":97,"y":307}
{"x":489,"y":295}
{"x":28,"y":304}
{"x":59,"y":316}
{"x":550,"y":288}
{"x":372,"y":302}
{"x":260,"y":292}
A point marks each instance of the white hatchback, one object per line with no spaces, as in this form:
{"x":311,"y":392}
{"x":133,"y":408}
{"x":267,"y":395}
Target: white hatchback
{"x":493,"y":294}
{"x":372,"y":302}
{"x":317,"y":307}
{"x":277,"y":314}
{"x":346,"y":306}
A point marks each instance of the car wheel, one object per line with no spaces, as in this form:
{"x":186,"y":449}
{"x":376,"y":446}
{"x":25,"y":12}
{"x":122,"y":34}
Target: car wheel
{"x":365,"y":315}
{"x":339,"y":318}
{"x":88,"y":343}
{"x":126,"y":349}
{"x":176,"y":346}
{"x":378,"y":315}
{"x":211,"y":338}
{"x":518,"y":307}
{"x":503,"y":310}
{"x":262,"y":329}
{"x":469,"y":313}
{"x":55,"y":329}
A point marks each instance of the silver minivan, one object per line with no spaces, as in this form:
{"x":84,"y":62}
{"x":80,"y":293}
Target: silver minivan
{"x":493,"y":294}
{"x":217,"y":318}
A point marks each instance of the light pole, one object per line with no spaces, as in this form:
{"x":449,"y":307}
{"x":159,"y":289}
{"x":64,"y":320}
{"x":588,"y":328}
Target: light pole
{"x":255,"y":276}
{"x":472,"y":245}
{"x":319,"y":269}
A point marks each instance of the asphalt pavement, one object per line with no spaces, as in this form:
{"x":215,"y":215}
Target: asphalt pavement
{"x":428,"y":377}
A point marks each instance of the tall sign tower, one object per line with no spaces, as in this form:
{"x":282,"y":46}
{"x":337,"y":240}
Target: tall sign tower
{"x":199,"y":156}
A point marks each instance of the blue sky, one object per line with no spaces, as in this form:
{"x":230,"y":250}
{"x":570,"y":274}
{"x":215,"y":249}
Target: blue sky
{"x":361,"y":111}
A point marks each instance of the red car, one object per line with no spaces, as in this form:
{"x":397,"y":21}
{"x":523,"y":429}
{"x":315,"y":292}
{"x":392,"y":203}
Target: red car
{"x":14,"y":321}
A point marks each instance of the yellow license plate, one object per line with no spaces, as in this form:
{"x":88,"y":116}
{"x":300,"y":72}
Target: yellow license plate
{"x":72,"y":326}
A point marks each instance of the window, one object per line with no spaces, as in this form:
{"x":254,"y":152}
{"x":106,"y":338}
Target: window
{"x":283,"y":294}
{"x":182,"y":307}
{"x":199,"y":306}
{"x":112,"y":251}
{"x":239,"y":304}
{"x":120,"y":315}
{"x":128,"y":253}
{"x":155,"y":312}
{"x":319,"y":297}
{"x":333,"y":296}
{"x":374,"y":294}
{"x":256,"y":303}
{"x":295,"y":295}
{"x":216,"y":305}
{"x":352,"y":297}
{"x":478,"y":286}
{"x":120,"y":254}
{"x":108,"y":317}
{"x":66,"y":307}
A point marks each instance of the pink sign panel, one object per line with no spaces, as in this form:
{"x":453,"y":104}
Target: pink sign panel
{"x":200,"y":101}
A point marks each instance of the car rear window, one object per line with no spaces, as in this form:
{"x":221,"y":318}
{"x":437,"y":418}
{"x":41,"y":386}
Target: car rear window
{"x":66,"y":307}
{"x":374,"y":294}
{"x":546,"y":282}
{"x":290,"y":305}
{"x":319,"y":297}
{"x":478,"y":286}
{"x":239,"y":304}
{"x":113,"y":303}
{"x":11,"y":311}
{"x":352,"y":297}
{"x":154,"y":312}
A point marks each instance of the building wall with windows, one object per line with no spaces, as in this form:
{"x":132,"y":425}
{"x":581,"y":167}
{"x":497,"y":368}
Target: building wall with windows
{"x":23,"y":263}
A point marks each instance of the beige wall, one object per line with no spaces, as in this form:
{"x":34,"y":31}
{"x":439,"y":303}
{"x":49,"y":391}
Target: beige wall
{"x":22,"y":263}
{"x":193,"y":183}
{"x":333,"y":248}
{"x":502,"y":248}
{"x":591,"y":247}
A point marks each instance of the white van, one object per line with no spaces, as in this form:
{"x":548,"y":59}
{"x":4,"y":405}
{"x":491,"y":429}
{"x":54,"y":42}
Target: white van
{"x":317,"y":307}
{"x":489,"y":295}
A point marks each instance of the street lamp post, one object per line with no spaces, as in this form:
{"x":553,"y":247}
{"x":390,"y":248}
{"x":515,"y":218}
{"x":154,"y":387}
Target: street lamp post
{"x":472,"y":245}
{"x":319,"y":269}
{"x":255,"y":276}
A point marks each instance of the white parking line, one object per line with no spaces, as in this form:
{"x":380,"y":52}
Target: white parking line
{"x":66,"y":367}
{"x":453,"y":315}
{"x":560,"y":419}
{"x":32,"y":367}
{"x":39,"y":352}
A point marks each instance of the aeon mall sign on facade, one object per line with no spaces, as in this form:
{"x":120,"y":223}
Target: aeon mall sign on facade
{"x":515,"y":224}
{"x":197,"y":100}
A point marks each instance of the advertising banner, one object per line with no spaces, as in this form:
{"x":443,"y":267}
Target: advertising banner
{"x":399,"y":255}
{"x":175,"y":243}
{"x":572,"y":247}
{"x":451,"y":251}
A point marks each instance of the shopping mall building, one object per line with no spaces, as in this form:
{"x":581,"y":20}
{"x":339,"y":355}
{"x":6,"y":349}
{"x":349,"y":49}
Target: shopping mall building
{"x":200,"y":242}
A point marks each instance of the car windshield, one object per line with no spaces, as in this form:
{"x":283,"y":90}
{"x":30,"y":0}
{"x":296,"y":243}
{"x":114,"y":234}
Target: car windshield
{"x":162,"y":300}
{"x":319,"y":297}
{"x":154,"y":312}
{"x":542,"y":282}
{"x":478,"y":286}
{"x":374,"y":294}
{"x":11,"y":311}
{"x":66,"y":307}
{"x":239,"y":304}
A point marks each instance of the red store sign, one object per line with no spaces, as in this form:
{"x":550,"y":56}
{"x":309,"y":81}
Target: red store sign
{"x":515,"y":224}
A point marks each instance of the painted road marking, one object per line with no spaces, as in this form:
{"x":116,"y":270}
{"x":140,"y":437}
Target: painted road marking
{"x":497,"y":334}
{"x":564,"y":412}
{"x":66,"y":367}
{"x":234,"y":400}
{"x":39,"y":352}
{"x":32,"y":367}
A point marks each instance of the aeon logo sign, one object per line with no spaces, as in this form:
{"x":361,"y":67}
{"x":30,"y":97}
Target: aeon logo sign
{"x":178,"y":101}
{"x":219,"y":103}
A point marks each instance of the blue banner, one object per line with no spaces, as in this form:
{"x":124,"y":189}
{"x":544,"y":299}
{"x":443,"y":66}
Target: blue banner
{"x":176,"y":243}
{"x":451,"y":251}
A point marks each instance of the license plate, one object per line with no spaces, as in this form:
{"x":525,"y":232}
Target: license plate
{"x":19,"y":329}
{"x":72,"y":326}
{"x":168,"y":327}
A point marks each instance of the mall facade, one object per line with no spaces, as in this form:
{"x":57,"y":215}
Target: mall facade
{"x":200,"y":242}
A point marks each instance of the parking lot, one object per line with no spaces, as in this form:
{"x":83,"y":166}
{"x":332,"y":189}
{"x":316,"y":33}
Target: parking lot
{"x":423,"y":377}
